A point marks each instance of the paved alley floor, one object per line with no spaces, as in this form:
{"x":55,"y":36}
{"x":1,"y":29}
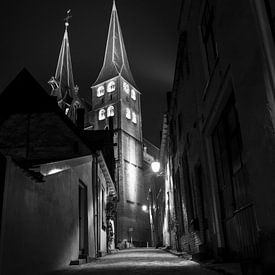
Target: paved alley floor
{"x":138,"y":261}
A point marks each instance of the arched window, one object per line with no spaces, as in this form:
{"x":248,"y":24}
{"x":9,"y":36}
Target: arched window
{"x":110,"y":111}
{"x":111,"y":86}
{"x":101,"y":114}
{"x":126,"y":87}
{"x":128,"y":113}
{"x":134,"y":117}
{"x":133,"y":94}
{"x":100,"y":91}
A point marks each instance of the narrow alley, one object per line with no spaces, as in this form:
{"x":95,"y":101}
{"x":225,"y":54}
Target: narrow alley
{"x":137,"y":261}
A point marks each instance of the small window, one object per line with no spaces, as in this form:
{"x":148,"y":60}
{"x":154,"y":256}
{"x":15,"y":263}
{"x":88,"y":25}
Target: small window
{"x":110,"y":111}
{"x":66,"y":111}
{"x":101,"y":114}
{"x":100,"y":91}
{"x":126,"y":87}
{"x":111,"y":86}
{"x":128,"y":113}
{"x":134,"y":117}
{"x":133,"y":94}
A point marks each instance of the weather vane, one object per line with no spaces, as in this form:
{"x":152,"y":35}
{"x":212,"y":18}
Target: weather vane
{"x":68,"y":17}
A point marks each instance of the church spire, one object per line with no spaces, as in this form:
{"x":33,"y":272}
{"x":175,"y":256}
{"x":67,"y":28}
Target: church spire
{"x":115,"y":59}
{"x":63,"y":82}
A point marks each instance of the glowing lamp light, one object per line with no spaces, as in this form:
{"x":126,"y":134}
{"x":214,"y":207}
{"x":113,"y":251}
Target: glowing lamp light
{"x":51,"y":171}
{"x":144,"y":208}
{"x":155,"y":166}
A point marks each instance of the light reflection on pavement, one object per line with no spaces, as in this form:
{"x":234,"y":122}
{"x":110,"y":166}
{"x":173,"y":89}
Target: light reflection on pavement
{"x":138,"y":261}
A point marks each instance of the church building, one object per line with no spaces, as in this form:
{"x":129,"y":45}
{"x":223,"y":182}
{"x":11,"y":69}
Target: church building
{"x":116,"y":104}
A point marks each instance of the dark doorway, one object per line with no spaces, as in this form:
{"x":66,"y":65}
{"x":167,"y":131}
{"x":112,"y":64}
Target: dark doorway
{"x":83,"y":219}
{"x":2,"y":185}
{"x":237,"y":211}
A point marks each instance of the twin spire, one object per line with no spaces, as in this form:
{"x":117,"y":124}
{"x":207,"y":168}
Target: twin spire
{"x":115,"y":59}
{"x":115,"y":62}
{"x":62,"y":83}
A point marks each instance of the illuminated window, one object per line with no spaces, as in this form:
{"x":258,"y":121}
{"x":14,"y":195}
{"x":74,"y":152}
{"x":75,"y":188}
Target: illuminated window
{"x":110,"y":111}
{"x":100,"y":91}
{"x":126,"y":87}
{"x":66,"y":111}
{"x":134,"y":117}
{"x":111,"y":86}
{"x":133,"y":94}
{"x":101,"y":114}
{"x":128,"y":113}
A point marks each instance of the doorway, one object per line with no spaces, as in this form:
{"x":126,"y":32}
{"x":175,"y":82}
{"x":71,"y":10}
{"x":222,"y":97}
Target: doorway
{"x":83,"y":219}
{"x":2,"y":185}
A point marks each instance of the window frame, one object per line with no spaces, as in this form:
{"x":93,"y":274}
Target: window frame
{"x":101,"y":114}
{"x":100,"y":91}
{"x":126,"y":87}
{"x":134,"y":117}
{"x":133,"y":94}
{"x":111,"y":86}
{"x":111,"y":111}
{"x":128,"y":113}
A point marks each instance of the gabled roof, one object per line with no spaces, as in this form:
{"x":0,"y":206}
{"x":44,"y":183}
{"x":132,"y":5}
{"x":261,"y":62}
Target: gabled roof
{"x":64,"y":72}
{"x":115,"y":59}
{"x":33,"y":127}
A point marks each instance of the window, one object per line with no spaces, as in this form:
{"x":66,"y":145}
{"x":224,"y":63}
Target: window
{"x":100,"y":91}
{"x":208,"y":36}
{"x":128,"y":113}
{"x":101,"y":114}
{"x":66,"y":111}
{"x":133,"y":94}
{"x":126,"y":87}
{"x":111,"y":86}
{"x":110,"y":111}
{"x":134,"y":117}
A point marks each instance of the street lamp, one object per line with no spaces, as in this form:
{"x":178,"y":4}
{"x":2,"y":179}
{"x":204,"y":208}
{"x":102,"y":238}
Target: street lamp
{"x":155,"y":166}
{"x":144,"y":208}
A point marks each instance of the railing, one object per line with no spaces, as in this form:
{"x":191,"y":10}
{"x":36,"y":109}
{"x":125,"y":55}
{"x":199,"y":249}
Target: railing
{"x":242,"y":233}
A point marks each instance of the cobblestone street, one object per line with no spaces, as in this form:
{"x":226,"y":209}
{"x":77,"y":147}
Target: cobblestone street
{"x":137,"y":261}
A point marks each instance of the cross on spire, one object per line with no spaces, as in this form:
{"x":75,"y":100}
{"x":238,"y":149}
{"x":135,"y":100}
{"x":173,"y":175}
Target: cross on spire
{"x":68,"y":17}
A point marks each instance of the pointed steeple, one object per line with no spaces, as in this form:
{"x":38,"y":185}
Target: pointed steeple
{"x":115,"y":59}
{"x":63,"y":82}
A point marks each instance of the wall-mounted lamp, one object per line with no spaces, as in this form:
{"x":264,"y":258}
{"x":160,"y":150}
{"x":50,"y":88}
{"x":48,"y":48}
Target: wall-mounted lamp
{"x":155,"y":166}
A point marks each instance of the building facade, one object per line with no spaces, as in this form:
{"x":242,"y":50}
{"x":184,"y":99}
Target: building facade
{"x":220,"y":137}
{"x":55,"y":184}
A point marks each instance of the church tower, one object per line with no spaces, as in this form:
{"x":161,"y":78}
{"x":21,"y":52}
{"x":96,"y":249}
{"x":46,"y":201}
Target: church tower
{"x":63,"y":86}
{"x":116,"y":104}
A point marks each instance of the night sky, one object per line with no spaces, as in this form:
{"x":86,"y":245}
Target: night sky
{"x":32,"y":31}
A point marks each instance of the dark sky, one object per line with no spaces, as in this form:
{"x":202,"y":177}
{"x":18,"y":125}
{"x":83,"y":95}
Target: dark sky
{"x":31,"y":34}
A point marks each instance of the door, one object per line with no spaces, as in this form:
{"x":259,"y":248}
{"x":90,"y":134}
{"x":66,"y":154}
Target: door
{"x":83,"y":219}
{"x":2,"y":184}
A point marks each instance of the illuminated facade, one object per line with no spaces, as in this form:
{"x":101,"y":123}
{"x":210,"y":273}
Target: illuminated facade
{"x":116,"y":104}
